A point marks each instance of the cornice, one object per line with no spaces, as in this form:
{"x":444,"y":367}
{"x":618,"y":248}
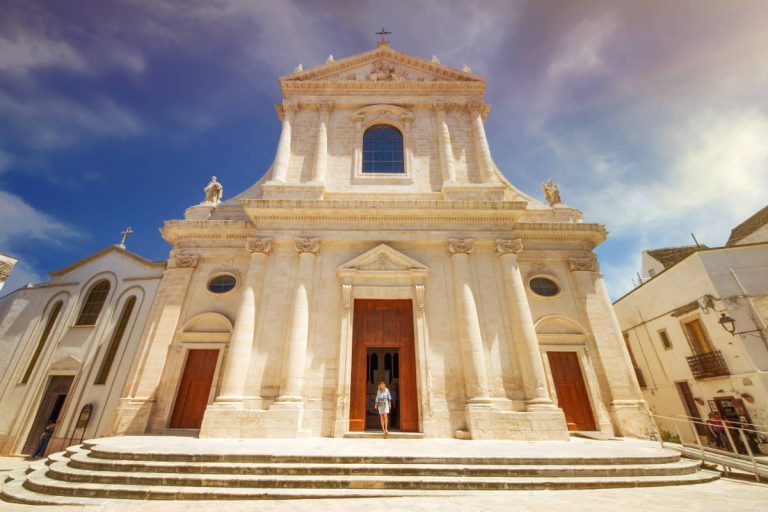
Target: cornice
{"x":174,"y":231}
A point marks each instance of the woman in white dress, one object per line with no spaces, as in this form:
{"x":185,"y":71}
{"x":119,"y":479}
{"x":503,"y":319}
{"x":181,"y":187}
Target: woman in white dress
{"x":383,"y":404}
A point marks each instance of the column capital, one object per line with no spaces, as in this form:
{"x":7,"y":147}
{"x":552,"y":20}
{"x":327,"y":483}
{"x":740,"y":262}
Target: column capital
{"x":460,"y":246}
{"x":306,"y":244}
{"x":325,"y":107}
{"x":478,"y":107}
{"x":5,"y":270}
{"x":440,"y":107}
{"x":184,"y":261}
{"x":259,"y":245}
{"x":505,"y":247}
{"x":286,"y":108}
{"x":584,"y":264}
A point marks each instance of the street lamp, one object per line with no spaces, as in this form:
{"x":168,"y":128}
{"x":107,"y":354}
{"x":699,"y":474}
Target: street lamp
{"x":729,"y":324}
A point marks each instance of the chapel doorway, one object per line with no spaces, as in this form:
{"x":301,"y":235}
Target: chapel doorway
{"x":50,"y":408}
{"x":572,"y":396}
{"x":383,"y":350}
{"x":194,"y":389}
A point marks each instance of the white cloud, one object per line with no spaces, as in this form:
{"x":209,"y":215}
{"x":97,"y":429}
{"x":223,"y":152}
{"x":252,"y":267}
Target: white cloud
{"x":23,"y":51}
{"x":21,"y":221}
{"x":54,"y":121}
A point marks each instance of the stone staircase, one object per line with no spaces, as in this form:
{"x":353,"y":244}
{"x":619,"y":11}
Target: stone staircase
{"x":91,"y":474}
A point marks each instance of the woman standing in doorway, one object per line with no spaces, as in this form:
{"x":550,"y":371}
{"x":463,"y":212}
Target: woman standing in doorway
{"x":383,"y":404}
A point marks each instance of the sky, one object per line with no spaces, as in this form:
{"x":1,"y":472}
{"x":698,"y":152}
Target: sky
{"x":651,"y":116}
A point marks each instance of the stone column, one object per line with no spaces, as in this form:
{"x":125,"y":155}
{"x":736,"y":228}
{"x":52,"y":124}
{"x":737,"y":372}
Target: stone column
{"x":283,"y":154}
{"x":321,"y":146}
{"x":135,"y":407}
{"x":444,"y":145}
{"x":523,"y":330}
{"x":6,"y":265}
{"x":477,"y":111}
{"x":292,"y":383}
{"x":475,"y":375}
{"x":241,"y":345}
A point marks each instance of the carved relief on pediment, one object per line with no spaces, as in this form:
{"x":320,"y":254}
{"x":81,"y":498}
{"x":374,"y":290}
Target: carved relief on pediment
{"x":385,"y":72}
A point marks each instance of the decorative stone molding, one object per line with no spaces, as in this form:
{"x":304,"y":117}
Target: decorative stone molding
{"x":184,"y":261}
{"x":346,"y":290}
{"x":419,"y":289}
{"x":588,"y":264}
{"x":5,"y":270}
{"x":478,"y":107}
{"x":262,"y":245}
{"x":307,"y":244}
{"x":514,"y":246}
{"x":460,"y":246}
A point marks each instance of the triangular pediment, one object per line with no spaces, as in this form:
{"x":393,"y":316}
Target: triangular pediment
{"x":66,"y":364}
{"x":382,"y":65}
{"x":383,"y":258}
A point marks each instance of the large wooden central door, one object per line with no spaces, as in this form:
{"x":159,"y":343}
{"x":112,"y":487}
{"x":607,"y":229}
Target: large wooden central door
{"x":194,"y":389}
{"x":383,"y":350}
{"x":571,"y":392}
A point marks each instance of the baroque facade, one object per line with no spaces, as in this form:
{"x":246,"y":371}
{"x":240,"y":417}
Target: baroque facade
{"x":383,"y":244}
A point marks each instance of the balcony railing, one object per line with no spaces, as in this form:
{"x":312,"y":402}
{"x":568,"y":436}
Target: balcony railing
{"x":641,"y":378}
{"x":708,"y":364}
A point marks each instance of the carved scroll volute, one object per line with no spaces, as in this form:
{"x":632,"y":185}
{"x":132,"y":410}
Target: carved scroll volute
{"x":259,"y":245}
{"x":586,"y":264}
{"x":460,"y":246}
{"x":419,"y":288}
{"x":306,"y":244}
{"x":184,"y":261}
{"x":504,"y":247}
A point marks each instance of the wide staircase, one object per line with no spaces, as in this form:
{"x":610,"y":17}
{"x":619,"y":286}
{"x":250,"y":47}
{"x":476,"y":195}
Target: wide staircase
{"x":103,"y":472}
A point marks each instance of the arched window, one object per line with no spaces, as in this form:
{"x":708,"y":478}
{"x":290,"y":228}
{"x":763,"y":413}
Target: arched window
{"x":383,"y":150}
{"x":93,"y":303}
{"x":52,"y":316}
{"x":114,"y":342}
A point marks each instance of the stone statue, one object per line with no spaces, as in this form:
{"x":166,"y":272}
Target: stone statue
{"x":213,"y":192}
{"x":551,"y":192}
{"x":382,"y":72}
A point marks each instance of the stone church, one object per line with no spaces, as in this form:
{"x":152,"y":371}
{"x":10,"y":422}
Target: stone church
{"x":383,"y":244}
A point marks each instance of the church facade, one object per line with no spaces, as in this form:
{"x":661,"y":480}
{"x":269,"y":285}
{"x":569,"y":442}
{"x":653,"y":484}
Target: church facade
{"x":382,"y":245}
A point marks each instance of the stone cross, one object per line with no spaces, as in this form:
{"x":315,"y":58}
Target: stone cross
{"x":127,"y":231}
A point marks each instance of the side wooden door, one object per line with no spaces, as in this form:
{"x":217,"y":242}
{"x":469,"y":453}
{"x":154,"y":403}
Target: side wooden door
{"x":572,"y":396}
{"x":194,"y":389}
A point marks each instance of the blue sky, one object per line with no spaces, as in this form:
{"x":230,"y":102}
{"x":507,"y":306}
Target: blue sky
{"x":651,"y":116}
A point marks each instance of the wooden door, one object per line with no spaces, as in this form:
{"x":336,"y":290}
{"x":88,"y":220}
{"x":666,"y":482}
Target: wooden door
{"x":383,"y":331}
{"x":686,"y":395}
{"x":194,"y":389}
{"x":50,"y":409}
{"x":572,"y":396}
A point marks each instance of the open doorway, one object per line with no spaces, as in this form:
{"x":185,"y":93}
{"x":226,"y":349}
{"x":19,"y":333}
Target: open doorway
{"x":50,"y":409}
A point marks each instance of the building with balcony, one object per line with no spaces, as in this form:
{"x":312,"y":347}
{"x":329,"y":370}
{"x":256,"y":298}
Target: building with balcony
{"x":686,"y":359}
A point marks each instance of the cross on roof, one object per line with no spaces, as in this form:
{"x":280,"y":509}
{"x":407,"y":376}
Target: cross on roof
{"x":383,"y":32}
{"x":127,"y":231}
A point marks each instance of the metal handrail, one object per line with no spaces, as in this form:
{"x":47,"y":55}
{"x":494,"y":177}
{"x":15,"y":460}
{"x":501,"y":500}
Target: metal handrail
{"x":728,"y":459}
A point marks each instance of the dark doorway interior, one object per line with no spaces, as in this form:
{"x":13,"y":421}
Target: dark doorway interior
{"x":50,"y":409}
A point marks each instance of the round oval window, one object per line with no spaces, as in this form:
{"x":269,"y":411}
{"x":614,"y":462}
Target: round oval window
{"x":222,"y":284}
{"x":544,"y":287}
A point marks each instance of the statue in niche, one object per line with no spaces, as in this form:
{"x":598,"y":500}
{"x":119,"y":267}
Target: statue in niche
{"x":213,"y":192}
{"x":551,"y":192}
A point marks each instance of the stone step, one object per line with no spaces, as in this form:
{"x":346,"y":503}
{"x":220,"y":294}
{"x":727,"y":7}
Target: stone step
{"x":39,"y":482}
{"x":81,"y":460}
{"x":98,"y":453}
{"x":381,"y":435}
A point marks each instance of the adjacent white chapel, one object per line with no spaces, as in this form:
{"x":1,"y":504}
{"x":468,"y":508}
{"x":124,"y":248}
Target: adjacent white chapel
{"x":383,"y":244}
